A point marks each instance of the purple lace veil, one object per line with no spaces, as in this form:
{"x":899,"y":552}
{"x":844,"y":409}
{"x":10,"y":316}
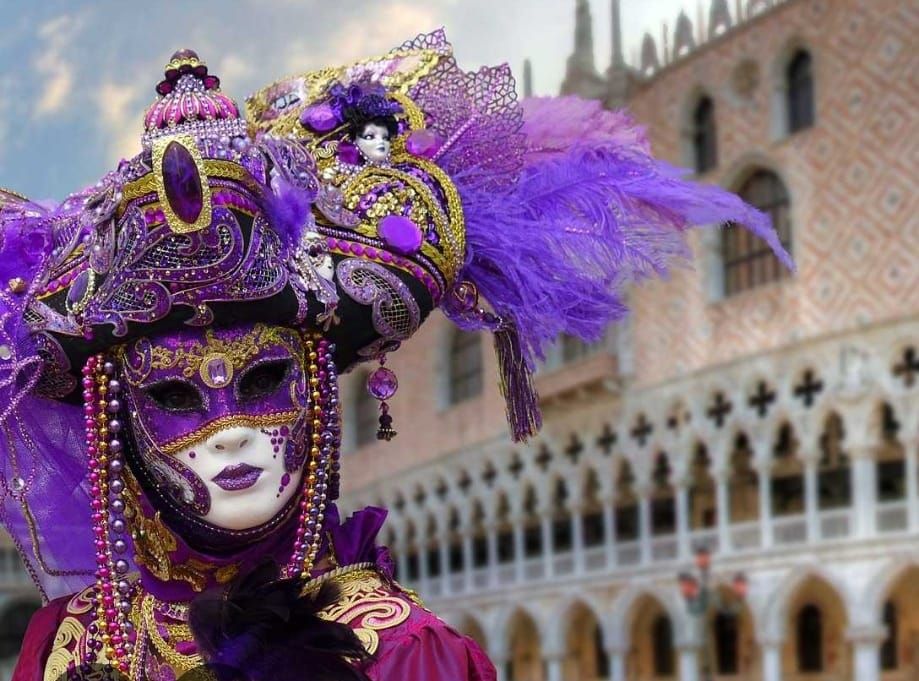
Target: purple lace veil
{"x":526,"y":219}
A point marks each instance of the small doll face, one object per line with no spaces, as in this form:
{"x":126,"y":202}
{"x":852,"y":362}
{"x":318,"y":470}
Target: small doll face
{"x":217,"y":419}
{"x":374,"y":143}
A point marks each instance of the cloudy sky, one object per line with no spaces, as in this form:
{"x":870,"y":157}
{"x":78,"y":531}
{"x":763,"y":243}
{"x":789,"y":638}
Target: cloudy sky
{"x":75,"y":75}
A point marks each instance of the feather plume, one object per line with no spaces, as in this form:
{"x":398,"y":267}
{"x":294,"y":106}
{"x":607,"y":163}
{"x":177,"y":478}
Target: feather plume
{"x":261,"y":628}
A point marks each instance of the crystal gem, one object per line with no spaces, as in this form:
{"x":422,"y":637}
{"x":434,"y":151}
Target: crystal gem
{"x":5,"y":352}
{"x":422,"y":143}
{"x":382,"y":383}
{"x":400,"y":234}
{"x":217,"y":371}
{"x":78,"y":289}
{"x":17,"y":485}
{"x":182,"y":183}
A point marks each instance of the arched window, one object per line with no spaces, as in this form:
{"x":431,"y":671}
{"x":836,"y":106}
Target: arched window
{"x":662,"y":635}
{"x":366,"y":418}
{"x":748,"y":261}
{"x":727,"y":635}
{"x":465,"y":366}
{"x":810,"y":639}
{"x":704,"y":141}
{"x":889,"y":657}
{"x":799,"y":88}
{"x":574,"y":349}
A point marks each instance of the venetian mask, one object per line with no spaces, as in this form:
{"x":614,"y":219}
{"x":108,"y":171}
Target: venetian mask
{"x":374,"y":143}
{"x":217,"y":420}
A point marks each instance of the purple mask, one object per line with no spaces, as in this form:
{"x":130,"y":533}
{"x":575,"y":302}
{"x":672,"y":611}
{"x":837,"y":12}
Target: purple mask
{"x":217,"y":420}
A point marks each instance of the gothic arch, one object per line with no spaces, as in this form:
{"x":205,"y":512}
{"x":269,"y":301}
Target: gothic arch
{"x":621,"y":612}
{"x":775,"y":611}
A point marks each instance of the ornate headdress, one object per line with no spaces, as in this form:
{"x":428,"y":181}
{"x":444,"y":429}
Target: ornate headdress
{"x":523,"y":219}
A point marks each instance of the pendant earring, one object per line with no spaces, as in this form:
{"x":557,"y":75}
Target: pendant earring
{"x":382,"y":384}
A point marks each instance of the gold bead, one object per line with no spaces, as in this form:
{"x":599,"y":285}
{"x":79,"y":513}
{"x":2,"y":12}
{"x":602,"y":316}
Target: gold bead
{"x":17,"y":285}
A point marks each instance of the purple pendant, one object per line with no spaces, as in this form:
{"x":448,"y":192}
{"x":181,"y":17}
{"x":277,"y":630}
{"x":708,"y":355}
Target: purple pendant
{"x":182,"y":183}
{"x":382,"y":383}
{"x":400,"y":234}
{"x":348,"y":153}
{"x":78,"y":290}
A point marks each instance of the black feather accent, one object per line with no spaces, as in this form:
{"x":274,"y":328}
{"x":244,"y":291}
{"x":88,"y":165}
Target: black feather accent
{"x":261,"y":628}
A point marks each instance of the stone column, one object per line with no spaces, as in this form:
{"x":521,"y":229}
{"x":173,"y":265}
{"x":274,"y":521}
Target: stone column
{"x":423,"y":582}
{"x":688,"y":663}
{"x":492,"y":554}
{"x":577,"y":538}
{"x":723,"y":501}
{"x":553,"y":661}
{"x":684,"y":550}
{"x":866,"y":661}
{"x":911,"y":450}
{"x":468,"y":562}
{"x":617,"y":657}
{"x":864,"y":491}
{"x":548,"y":551}
{"x":764,"y":482}
{"x":609,"y":531}
{"x":645,"y":536}
{"x":519,"y":552}
{"x":772,"y":660}
{"x":402,"y":564}
{"x":499,"y":659}
{"x":445,"y":565}
{"x":811,"y":500}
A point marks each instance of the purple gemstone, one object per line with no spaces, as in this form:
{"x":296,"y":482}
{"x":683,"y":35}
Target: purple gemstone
{"x":382,"y":383}
{"x":182,"y":183}
{"x":78,"y":288}
{"x":422,"y":143}
{"x":400,"y":234}
{"x":319,"y":117}
{"x":348,"y":153}
{"x":217,"y":370}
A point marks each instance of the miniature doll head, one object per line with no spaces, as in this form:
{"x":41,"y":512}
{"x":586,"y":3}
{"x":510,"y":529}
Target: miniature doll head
{"x":373,"y":137}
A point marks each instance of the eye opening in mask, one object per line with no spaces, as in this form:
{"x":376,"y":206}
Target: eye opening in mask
{"x":263,"y":379}
{"x":175,"y":395}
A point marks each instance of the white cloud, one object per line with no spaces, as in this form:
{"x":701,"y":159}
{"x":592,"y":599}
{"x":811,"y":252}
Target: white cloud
{"x":54,"y":64}
{"x":120,"y":115}
{"x":359,"y":38}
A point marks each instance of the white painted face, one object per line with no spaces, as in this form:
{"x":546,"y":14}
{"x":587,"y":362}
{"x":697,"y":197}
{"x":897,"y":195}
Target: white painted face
{"x":374,"y":142}
{"x":243,"y":469}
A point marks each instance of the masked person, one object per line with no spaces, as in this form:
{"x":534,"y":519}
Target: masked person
{"x":171,"y":340}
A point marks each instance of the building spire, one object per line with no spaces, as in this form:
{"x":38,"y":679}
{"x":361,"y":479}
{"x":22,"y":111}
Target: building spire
{"x":581,"y":77}
{"x":618,"y":59}
{"x":527,"y":78}
{"x":583,"y":36}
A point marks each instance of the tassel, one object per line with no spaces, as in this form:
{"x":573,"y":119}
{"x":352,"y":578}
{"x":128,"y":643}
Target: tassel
{"x":516,"y":383}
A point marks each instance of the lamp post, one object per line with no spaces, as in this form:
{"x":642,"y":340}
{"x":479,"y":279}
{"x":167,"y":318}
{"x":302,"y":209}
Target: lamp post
{"x":702,"y":601}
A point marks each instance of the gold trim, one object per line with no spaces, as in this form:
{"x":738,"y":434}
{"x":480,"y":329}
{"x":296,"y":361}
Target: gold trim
{"x":65,"y":649}
{"x":279,"y":418}
{"x":177,"y":224}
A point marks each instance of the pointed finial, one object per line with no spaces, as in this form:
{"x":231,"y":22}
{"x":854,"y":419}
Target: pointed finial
{"x":618,"y":59}
{"x":527,"y":78}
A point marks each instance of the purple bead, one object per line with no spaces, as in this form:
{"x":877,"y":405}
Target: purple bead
{"x":182,"y":183}
{"x":400,"y":234}
{"x":319,"y":117}
{"x":348,"y":153}
{"x":422,"y":143}
{"x":78,"y":288}
{"x":121,"y":566}
{"x":382,"y":383}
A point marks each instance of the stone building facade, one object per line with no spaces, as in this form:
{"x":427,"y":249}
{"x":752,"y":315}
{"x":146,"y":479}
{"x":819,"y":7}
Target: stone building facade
{"x":773,"y":419}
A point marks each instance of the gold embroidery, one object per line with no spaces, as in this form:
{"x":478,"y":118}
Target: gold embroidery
{"x":66,"y":649}
{"x":212,"y":168}
{"x":367,"y":605}
{"x":81,"y":602}
{"x":153,"y":542}
{"x":146,"y":625}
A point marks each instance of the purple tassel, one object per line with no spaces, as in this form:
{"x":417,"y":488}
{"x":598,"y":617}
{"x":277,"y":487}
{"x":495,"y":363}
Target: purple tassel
{"x":516,"y":383}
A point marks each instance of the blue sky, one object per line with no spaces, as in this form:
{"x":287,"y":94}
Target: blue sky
{"x":76,"y":76}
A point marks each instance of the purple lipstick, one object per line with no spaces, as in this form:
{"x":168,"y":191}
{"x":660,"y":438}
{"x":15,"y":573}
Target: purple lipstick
{"x":236,"y":477}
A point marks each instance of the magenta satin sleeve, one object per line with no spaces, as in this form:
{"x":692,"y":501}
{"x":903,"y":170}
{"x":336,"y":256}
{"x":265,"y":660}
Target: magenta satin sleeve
{"x":426,"y":649}
{"x":36,"y":646}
